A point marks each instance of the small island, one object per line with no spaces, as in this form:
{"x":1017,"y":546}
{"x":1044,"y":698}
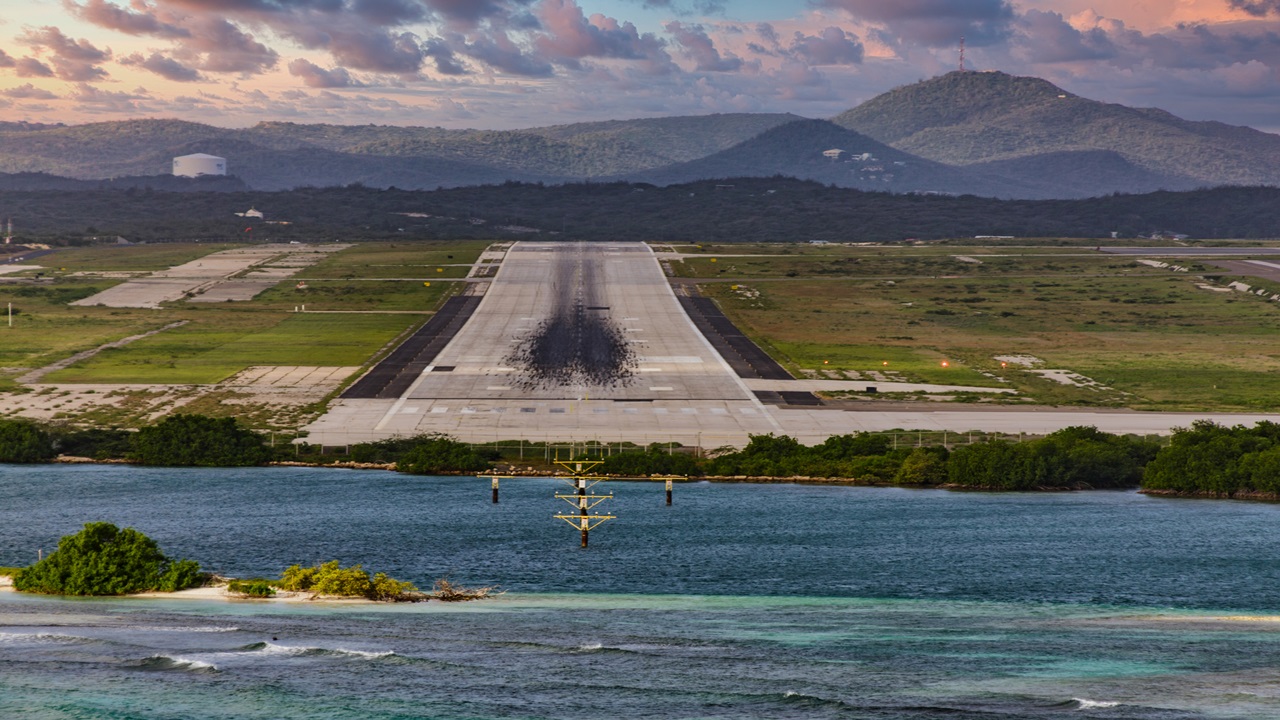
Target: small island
{"x":105,"y":560}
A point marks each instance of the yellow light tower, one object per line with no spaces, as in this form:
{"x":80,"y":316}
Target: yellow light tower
{"x":582,"y":498}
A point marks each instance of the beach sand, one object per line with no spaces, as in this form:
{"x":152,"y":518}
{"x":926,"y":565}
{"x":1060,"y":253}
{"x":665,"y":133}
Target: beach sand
{"x":219,"y":592}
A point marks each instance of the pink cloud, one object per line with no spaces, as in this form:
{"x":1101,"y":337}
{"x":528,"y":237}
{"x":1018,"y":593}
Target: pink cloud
{"x":699,"y":47}
{"x":165,"y":67}
{"x":73,"y":60}
{"x":28,"y":92}
{"x":317,"y":77}
{"x":31,"y":67}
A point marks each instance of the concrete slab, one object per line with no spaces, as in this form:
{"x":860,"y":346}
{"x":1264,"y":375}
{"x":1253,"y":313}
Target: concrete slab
{"x":201,"y":279}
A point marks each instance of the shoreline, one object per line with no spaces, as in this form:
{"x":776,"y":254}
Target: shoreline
{"x":214,"y":592}
{"x":528,"y":472}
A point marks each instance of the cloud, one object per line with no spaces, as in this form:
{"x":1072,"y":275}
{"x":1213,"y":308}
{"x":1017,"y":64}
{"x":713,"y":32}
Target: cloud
{"x":28,"y":92}
{"x":832,"y":47}
{"x":696,"y":45}
{"x":1257,"y":8}
{"x":1051,"y":39}
{"x":31,"y":67}
{"x":698,"y":7}
{"x":165,"y":67}
{"x":95,"y":100}
{"x":73,"y":60}
{"x":317,"y":77}
{"x":498,"y":51}
{"x":219,"y":46}
{"x":445,"y":61}
{"x":6,"y":60}
{"x":796,"y":81}
{"x":569,"y":36}
{"x":113,"y":17}
{"x":398,"y":53}
{"x":935,"y":23}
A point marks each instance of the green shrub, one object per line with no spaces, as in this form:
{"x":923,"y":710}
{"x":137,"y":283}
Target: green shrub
{"x":332,"y":579}
{"x":22,"y":441}
{"x":437,"y":454}
{"x":388,"y":588}
{"x":96,"y":443}
{"x":657,"y":460}
{"x":297,"y":578}
{"x":1212,"y":459}
{"x":102,"y":559}
{"x":345,"y":582}
{"x":197,"y":440}
{"x":251,"y":588}
{"x":924,"y":466}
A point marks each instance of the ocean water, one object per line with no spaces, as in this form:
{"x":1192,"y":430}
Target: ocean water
{"x":739,"y":601}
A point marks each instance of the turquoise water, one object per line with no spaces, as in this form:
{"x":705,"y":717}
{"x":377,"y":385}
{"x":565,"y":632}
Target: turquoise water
{"x":738,"y":601}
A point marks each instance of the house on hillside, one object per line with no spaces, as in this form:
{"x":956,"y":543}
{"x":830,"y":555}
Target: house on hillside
{"x":833,"y":154}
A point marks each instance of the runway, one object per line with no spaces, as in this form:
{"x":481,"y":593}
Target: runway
{"x":587,"y":341}
{"x":571,"y":341}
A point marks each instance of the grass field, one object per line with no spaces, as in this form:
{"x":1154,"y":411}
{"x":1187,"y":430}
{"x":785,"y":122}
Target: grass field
{"x":418,"y":260}
{"x":222,"y":339}
{"x":1142,"y":337}
{"x":216,"y":345}
{"x":46,"y":329}
{"x":118,"y":258}
{"x":1149,"y":338}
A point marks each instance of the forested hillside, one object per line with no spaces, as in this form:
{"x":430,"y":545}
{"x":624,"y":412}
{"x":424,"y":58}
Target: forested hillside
{"x":752,"y":209}
{"x":972,"y":117}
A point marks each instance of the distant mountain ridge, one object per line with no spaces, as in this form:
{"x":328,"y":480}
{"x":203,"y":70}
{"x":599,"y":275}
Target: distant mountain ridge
{"x":985,"y":133}
{"x":965,"y":118}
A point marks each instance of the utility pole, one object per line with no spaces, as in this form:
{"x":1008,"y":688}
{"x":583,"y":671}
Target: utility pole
{"x":582,"y":497}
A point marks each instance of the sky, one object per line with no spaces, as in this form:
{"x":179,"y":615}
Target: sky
{"x":500,"y":64}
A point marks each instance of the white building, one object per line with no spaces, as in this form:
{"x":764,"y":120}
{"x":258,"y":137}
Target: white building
{"x":199,"y":164}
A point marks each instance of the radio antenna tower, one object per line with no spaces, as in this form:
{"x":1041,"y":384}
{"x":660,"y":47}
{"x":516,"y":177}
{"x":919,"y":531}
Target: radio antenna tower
{"x":962,"y":68}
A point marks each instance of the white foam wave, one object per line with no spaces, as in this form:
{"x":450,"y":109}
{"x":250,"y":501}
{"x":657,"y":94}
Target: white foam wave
{"x":1086,"y":704}
{"x":193,"y":664}
{"x":39,"y":638}
{"x":273,"y":649}
{"x":365,"y":653}
{"x":590,"y":647}
{"x":180,"y":628}
{"x":295,"y":650}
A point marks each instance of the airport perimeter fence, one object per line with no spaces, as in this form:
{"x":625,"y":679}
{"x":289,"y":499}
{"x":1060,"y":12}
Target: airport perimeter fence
{"x":551,"y":446}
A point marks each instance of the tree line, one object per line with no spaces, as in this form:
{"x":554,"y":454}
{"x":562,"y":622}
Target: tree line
{"x":1205,"y":459}
{"x":735,"y":210}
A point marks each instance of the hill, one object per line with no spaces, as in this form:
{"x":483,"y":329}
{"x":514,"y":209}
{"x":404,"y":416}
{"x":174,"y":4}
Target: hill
{"x":797,"y":149}
{"x":1080,"y":173}
{"x":964,"y":118}
{"x":272,"y":156}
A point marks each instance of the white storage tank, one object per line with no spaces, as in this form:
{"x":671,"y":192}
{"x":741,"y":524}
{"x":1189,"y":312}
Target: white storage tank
{"x":199,"y":164}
